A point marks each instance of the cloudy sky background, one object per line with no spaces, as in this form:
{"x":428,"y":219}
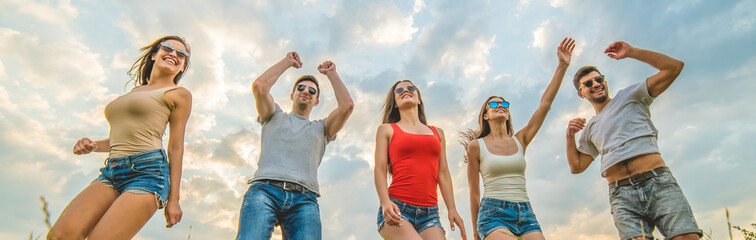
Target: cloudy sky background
{"x":61,"y":62}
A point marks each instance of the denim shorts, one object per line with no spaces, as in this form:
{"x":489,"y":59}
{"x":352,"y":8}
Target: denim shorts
{"x":517,"y":217}
{"x":656,"y":202}
{"x":143,"y":173}
{"x":420,"y":217}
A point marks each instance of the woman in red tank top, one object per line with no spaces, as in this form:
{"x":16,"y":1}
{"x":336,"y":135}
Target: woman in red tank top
{"x":415,"y":156}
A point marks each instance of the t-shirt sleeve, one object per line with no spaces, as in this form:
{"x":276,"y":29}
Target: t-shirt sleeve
{"x":586,"y":146}
{"x":276,"y":113}
{"x":325,"y":132}
{"x":639,"y":92}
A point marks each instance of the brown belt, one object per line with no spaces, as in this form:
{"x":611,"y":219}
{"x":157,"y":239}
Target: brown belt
{"x":640,"y":177}
{"x":288,"y":186}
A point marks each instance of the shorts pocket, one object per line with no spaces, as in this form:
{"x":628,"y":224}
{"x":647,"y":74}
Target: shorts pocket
{"x":152,"y":167}
{"x":665,"y":179}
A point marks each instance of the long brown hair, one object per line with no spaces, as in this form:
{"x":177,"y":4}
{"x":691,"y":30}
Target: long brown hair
{"x":483,"y":127}
{"x":390,"y":110}
{"x":141,"y":68}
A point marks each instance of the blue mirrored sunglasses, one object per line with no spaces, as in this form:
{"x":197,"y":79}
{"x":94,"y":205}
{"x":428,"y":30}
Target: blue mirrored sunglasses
{"x":498,"y":104}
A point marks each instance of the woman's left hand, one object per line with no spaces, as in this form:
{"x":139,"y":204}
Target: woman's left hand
{"x":172,"y":213}
{"x":454,"y":218}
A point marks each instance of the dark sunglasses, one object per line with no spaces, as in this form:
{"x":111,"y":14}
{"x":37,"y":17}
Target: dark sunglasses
{"x":167,"y":47}
{"x":400,"y":90}
{"x":598,"y":80}
{"x":498,"y":104}
{"x":311,"y":90}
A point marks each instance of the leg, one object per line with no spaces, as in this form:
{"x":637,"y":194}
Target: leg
{"x":258,"y":212}
{"x":689,"y":236}
{"x":535,"y":235}
{"x":302,"y":219}
{"x":403,"y":231}
{"x":501,"y":234}
{"x":627,"y":203}
{"x":84,"y":211}
{"x":670,"y":209}
{"x":125,"y":217}
{"x":433,"y":233}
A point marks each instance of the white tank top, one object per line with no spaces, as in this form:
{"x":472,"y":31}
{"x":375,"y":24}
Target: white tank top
{"x":503,"y":176}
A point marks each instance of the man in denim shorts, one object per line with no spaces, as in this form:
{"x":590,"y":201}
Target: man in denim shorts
{"x":284,"y":189}
{"x":642,"y":190}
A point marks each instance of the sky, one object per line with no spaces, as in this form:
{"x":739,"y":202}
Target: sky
{"x":62,"y":61}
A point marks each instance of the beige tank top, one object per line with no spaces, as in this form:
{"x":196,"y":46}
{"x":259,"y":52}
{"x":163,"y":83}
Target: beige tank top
{"x":503,"y":176}
{"x":137,"y":121}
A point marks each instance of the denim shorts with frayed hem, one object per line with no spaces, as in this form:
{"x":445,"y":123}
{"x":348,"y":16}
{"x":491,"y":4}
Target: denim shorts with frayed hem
{"x":420,"y":217}
{"x":142,"y":173}
{"x":656,"y":202}
{"x":517,"y":217}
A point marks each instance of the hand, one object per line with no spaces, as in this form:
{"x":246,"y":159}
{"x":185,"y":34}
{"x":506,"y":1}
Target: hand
{"x":575,"y":126}
{"x":564,"y":51}
{"x":293,"y":59}
{"x":618,"y":50}
{"x":391,"y":214}
{"x":454,"y":218}
{"x":84,"y":146}
{"x":326,"y":67}
{"x":172,"y":213}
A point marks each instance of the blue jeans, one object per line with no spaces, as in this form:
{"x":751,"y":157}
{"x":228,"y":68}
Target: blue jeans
{"x":420,"y":217}
{"x":266,"y":206}
{"x":517,"y":217}
{"x":144,"y":173}
{"x":657,"y":202}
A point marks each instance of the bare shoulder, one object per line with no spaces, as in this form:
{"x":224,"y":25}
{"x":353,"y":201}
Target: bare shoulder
{"x":385,"y":128}
{"x":473,"y":145}
{"x":178,"y":94}
{"x":439,"y":130}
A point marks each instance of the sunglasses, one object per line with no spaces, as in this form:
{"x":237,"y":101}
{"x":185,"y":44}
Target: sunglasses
{"x":167,"y":47}
{"x":598,"y":80}
{"x":311,"y":90}
{"x":400,"y":90}
{"x":498,"y":104}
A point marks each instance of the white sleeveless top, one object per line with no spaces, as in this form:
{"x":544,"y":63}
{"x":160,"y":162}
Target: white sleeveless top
{"x":503,"y":176}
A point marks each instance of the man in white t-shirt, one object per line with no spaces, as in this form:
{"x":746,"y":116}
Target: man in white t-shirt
{"x":643,"y":193}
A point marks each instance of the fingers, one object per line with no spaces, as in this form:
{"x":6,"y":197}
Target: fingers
{"x":294,"y":58}
{"x":172,"y":218}
{"x":84,"y":146}
{"x":571,"y":45}
{"x":561,"y":45}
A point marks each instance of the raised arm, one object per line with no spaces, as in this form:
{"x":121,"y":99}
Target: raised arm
{"x":261,"y":86}
{"x":391,"y":212}
{"x":447,"y":189}
{"x":564,"y":55}
{"x":578,"y":161}
{"x":669,"y":68}
{"x":338,"y":116}
{"x":473,"y":182}
{"x":181,"y":100}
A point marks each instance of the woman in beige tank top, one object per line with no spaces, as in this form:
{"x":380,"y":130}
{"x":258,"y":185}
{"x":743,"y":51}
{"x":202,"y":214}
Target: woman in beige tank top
{"x":497,"y":153}
{"x":138,"y":178}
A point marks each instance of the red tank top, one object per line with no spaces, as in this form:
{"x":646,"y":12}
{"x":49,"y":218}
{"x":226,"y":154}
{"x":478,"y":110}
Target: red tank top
{"x":414,"y":166}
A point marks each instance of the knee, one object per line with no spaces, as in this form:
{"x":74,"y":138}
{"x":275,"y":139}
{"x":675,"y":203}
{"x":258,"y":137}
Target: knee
{"x":63,"y":234}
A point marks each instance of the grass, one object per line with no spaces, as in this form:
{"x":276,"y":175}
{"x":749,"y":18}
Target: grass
{"x":748,"y":234}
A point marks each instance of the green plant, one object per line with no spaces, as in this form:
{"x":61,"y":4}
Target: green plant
{"x":749,"y":235}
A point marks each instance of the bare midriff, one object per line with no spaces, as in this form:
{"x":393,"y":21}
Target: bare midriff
{"x":634,"y":165}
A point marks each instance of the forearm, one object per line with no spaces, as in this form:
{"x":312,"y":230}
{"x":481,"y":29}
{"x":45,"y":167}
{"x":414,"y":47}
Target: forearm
{"x":656,"y":60}
{"x":446,"y":186}
{"x":573,"y":156}
{"x":102,"y":145}
{"x":381,"y":185}
{"x":265,"y":81}
{"x":553,"y":88}
{"x":175,"y":162}
{"x":343,"y":99}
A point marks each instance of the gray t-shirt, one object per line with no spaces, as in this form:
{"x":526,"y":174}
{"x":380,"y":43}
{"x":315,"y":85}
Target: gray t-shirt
{"x":291,"y":150}
{"x":622,"y":130}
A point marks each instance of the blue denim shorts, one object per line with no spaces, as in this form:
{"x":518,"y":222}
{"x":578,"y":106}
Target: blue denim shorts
{"x":420,"y":217}
{"x":657,"y":202}
{"x":517,"y":217}
{"x":143,"y":173}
